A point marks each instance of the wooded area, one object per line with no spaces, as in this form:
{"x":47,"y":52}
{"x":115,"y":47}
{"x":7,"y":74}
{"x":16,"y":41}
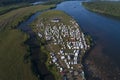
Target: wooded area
{"x":7,"y":2}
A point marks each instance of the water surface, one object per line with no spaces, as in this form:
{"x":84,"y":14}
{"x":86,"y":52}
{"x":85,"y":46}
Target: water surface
{"x":104,"y":30}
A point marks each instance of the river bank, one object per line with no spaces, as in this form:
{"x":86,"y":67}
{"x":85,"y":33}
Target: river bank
{"x":106,"y":8}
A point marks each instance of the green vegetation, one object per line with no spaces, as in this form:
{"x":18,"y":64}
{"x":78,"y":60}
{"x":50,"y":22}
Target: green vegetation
{"x":43,"y":62}
{"x":56,"y":13}
{"x":9,"y":2}
{"x":106,"y":8}
{"x":5,"y":9}
{"x":53,"y":2}
{"x":54,"y":71}
{"x":47,"y":16}
{"x":89,"y":40}
{"x":12,"y":51}
{"x":13,"y":18}
{"x":45,"y":59}
{"x":13,"y":66}
{"x":9,"y":7}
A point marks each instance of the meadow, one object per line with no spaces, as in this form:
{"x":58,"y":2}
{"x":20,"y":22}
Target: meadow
{"x":15,"y":17}
{"x":106,"y":8}
{"x":13,"y":66}
{"x":7,"y":8}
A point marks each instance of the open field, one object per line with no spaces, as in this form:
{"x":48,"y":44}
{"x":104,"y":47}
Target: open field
{"x":5,"y":9}
{"x":12,"y":51}
{"x":13,"y":18}
{"x":53,"y":2}
{"x":49,"y":15}
{"x":13,"y":66}
{"x":106,"y":8}
{"x":10,"y":2}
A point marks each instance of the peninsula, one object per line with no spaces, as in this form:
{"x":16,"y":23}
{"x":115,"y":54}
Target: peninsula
{"x":65,"y":42}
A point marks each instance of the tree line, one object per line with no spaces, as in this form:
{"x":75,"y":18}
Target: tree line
{"x":8,"y":2}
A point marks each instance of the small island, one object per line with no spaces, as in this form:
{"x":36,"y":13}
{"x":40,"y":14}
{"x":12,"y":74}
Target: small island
{"x":64,"y":42}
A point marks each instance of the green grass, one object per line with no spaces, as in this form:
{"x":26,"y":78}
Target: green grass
{"x":49,"y":15}
{"x":107,"y":8}
{"x":12,"y":51}
{"x":53,"y":2}
{"x":13,"y":18}
{"x":56,"y":13}
{"x":5,"y":9}
{"x":12,"y":47}
{"x":89,"y":40}
{"x":45,"y":59}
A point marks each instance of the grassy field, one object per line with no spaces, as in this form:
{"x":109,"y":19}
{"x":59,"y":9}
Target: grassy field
{"x":12,"y":51}
{"x":12,"y":47}
{"x":5,"y":9}
{"x":53,"y":2}
{"x":10,"y":2}
{"x":107,"y":8}
{"x":54,"y":14}
{"x":13,"y":18}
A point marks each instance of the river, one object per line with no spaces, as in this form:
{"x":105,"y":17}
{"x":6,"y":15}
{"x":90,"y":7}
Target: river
{"x":104,"y":58}
{"x":104,"y":30}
